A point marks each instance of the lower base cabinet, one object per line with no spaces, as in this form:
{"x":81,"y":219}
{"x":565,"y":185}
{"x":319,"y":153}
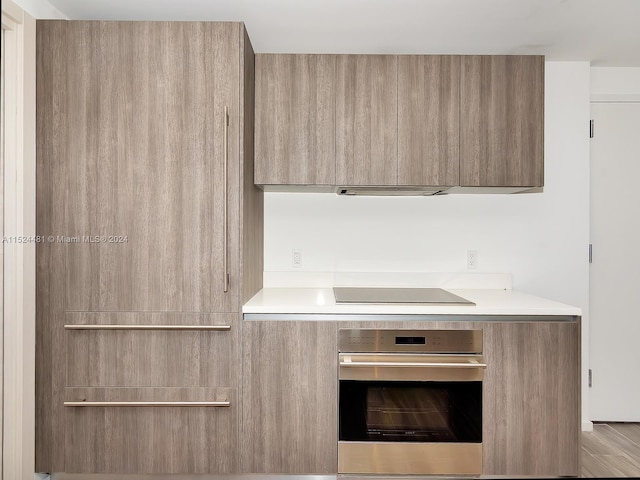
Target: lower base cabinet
{"x":531,"y":395}
{"x":286,"y":419}
{"x":532,"y":398}
{"x":151,"y":430}
{"x":290,"y":397}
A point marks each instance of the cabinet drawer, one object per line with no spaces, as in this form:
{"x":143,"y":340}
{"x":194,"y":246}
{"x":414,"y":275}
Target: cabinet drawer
{"x":126,"y":430}
{"x":145,"y":349}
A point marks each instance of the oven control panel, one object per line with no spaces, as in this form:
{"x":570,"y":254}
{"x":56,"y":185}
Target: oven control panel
{"x":411,"y":341}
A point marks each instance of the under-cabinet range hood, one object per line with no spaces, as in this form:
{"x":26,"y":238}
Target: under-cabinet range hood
{"x":425,"y":191}
{"x":396,"y":190}
{"x":388,"y":191}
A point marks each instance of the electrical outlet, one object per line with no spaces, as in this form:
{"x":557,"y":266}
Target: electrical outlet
{"x":296,"y":258}
{"x":472,"y":259}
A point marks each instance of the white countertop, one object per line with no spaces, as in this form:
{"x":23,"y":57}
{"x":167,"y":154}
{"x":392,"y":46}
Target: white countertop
{"x":492,"y":302}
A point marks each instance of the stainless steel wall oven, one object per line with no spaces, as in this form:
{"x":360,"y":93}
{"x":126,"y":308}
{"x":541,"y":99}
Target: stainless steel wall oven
{"x":410,"y":401}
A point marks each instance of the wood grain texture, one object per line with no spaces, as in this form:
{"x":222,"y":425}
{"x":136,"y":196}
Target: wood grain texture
{"x":502,"y":121}
{"x":295,"y":119}
{"x":52,"y":97}
{"x":290,"y":397}
{"x":532,"y":399}
{"x":151,"y":439}
{"x":428,"y":119}
{"x":531,"y":394}
{"x":366,"y":124}
{"x":145,"y":161}
{"x":98,"y":358}
{"x":130,"y":123}
{"x":628,"y":434}
{"x":611,"y":450}
{"x":252,"y":198}
{"x":593,"y":465}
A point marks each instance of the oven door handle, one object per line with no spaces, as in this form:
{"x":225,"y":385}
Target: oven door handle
{"x":344,"y":363}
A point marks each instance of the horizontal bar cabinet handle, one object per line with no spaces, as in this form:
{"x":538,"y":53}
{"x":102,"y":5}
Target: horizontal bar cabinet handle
{"x":413,"y":364}
{"x":150,"y":327}
{"x":147,"y":404}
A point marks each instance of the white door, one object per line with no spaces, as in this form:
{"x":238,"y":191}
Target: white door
{"x":615,"y":269}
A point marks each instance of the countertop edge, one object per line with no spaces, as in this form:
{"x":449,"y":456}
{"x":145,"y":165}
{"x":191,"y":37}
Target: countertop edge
{"x":488,"y":305}
{"x":347,"y":317}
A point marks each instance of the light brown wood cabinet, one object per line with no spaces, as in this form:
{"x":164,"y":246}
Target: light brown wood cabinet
{"x":428,"y":119}
{"x":366,"y":120}
{"x":412,"y":120}
{"x":531,"y":394}
{"x":152,"y":439}
{"x":532,"y":399}
{"x":295,"y":119}
{"x":150,"y":357}
{"x":147,"y":192}
{"x":502,"y":121}
{"x":289,"y":407}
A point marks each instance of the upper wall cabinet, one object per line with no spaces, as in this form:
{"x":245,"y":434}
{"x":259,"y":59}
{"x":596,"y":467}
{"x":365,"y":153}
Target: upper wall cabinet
{"x":366,"y":120}
{"x":428,"y":115}
{"x":295,"y":115}
{"x":502,"y":121}
{"x":406,"y":120}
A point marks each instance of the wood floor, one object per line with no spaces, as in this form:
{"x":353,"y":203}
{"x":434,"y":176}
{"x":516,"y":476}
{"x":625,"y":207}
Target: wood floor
{"x":611,"y":450}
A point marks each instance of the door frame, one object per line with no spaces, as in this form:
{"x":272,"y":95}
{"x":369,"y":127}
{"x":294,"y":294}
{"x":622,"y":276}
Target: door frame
{"x":18,"y":258}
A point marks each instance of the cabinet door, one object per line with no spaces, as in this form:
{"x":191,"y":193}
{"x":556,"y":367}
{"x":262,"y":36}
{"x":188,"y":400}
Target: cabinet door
{"x":366,"y":120}
{"x":502,"y":121}
{"x":134,"y":114}
{"x":128,"y":349}
{"x":125,"y":430}
{"x":428,"y":119}
{"x":295,"y":119}
{"x":290,"y":397}
{"x":532,"y":399}
{"x":131,"y":191}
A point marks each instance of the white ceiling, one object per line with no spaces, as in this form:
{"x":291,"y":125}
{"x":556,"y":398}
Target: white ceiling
{"x":605,"y":32}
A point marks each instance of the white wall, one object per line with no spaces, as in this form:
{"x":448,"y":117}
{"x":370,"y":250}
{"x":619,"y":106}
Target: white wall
{"x":615,"y":83}
{"x":40,"y":9}
{"x":542,"y":239}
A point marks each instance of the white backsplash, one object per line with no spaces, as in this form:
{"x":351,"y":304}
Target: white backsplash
{"x":387,"y":279}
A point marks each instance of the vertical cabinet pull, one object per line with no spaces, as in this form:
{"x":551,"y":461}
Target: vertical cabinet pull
{"x":226,"y":197}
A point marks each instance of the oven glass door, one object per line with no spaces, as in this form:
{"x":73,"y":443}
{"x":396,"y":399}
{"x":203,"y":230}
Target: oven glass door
{"x":410,"y":411}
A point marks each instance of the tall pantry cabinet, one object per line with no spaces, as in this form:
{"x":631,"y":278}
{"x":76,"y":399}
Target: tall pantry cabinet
{"x":153,"y":228}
